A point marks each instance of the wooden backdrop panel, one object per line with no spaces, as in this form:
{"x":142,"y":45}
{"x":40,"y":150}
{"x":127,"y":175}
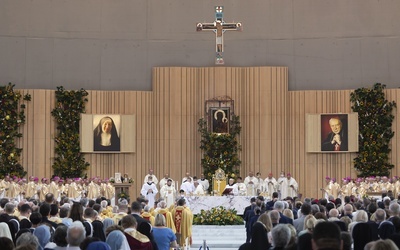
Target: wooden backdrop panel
{"x":167,"y":140}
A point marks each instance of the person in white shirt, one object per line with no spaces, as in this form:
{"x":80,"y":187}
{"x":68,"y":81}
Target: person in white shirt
{"x":282,"y":186}
{"x":186,"y":177}
{"x":270,"y":184}
{"x":149,"y":190}
{"x":242,"y":189}
{"x":168,"y":193}
{"x":164,"y":180}
{"x":232,"y":187}
{"x":154,"y":178}
{"x":204,"y":182}
{"x":292,"y":186}
{"x":260,"y":186}
{"x":198,"y":188}
{"x":188,"y":186}
{"x":251,"y":183}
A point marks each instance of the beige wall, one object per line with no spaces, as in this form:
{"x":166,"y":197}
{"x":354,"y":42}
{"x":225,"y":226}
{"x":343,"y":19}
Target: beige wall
{"x":167,"y":140}
{"x":114,"y":44}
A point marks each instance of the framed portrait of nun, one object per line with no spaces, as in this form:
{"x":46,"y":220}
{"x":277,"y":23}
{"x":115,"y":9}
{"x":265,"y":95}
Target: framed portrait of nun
{"x":107,"y":133}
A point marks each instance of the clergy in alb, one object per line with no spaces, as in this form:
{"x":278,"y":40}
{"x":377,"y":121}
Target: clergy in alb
{"x":149,"y":191}
{"x":153,"y":177}
{"x":270,"y":184}
{"x":231,"y":188}
{"x":168,"y":193}
{"x":292,"y":186}
{"x":251,"y":183}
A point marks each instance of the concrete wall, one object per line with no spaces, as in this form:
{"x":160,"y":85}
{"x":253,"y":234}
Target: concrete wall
{"x":113,"y":44}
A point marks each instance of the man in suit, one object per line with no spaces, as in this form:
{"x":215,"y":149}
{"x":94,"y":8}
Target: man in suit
{"x":270,"y":204}
{"x":337,"y":139}
{"x":299,"y":223}
{"x":279,"y":206}
{"x":136,"y":208}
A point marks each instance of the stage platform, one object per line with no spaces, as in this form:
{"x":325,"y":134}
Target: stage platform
{"x":239,"y":203}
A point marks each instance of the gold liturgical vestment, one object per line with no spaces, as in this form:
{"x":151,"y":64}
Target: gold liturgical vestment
{"x":183,"y":219}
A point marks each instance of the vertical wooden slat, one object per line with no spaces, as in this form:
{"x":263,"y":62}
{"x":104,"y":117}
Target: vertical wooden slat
{"x":167,"y":140}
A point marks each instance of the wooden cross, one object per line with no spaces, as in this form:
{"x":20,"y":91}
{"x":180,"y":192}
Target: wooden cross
{"x":219,"y":27}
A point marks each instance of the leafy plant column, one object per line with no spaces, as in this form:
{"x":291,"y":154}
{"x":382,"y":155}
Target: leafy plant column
{"x":69,"y":161}
{"x":375,"y":126}
{"x":220,"y":150}
{"x":12,"y":116}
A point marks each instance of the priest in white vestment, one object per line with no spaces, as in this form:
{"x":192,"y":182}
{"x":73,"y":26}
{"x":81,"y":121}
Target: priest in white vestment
{"x":186,"y":177}
{"x":251,"y":183}
{"x":198,"y":188}
{"x":242,"y":189}
{"x":282,"y":186}
{"x":149,"y":191}
{"x":271,"y":185}
{"x":154,"y":178}
{"x":188,"y":187}
{"x":292,"y":186}
{"x":260,"y":186}
{"x":164,"y":181}
{"x":204,"y":182}
{"x":232,"y":187}
{"x":168,"y":193}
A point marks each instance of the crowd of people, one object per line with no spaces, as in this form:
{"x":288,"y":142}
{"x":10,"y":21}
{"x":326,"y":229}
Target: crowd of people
{"x":347,"y":223}
{"x":78,"y":214}
{"x":93,"y":224}
{"x":76,"y":188}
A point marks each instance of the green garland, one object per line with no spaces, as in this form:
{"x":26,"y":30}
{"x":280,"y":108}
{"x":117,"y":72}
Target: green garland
{"x":375,"y":127}
{"x":69,"y":161}
{"x":220,"y":150}
{"x":12,"y":116}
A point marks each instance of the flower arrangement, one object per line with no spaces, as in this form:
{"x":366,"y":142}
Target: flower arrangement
{"x":111,"y":180}
{"x":123,"y":195}
{"x":130,"y":180}
{"x":69,"y":161}
{"x":220,"y":150}
{"x":375,"y":127}
{"x":218,"y":216}
{"x":12,"y":117}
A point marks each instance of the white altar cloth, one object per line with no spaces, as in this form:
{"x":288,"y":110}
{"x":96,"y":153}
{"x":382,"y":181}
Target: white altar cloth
{"x":239,"y":203}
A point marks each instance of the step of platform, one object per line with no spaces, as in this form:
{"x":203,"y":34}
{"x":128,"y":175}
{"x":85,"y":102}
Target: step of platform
{"x":218,"y":237}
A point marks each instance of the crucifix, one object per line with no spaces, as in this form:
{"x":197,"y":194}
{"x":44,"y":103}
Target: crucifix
{"x":219,"y":27}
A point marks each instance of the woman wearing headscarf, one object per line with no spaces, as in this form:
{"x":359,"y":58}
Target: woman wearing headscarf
{"x":117,"y":240}
{"x":43,"y":234}
{"x":5,"y":230}
{"x":107,"y":222}
{"x":105,"y":136}
{"x":259,"y":232}
{"x":145,"y":228}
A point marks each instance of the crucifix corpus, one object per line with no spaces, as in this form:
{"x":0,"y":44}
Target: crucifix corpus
{"x":219,"y":27}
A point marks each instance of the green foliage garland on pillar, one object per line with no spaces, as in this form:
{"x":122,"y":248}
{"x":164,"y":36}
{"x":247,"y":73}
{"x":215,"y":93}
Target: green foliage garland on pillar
{"x":69,"y":161}
{"x":12,"y":116}
{"x":375,"y":127}
{"x":220,"y":150}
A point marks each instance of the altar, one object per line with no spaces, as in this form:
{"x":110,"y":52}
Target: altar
{"x":239,"y":203}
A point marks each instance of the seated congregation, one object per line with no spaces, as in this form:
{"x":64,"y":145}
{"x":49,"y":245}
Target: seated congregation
{"x":350,"y":223}
{"x":93,"y":224}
